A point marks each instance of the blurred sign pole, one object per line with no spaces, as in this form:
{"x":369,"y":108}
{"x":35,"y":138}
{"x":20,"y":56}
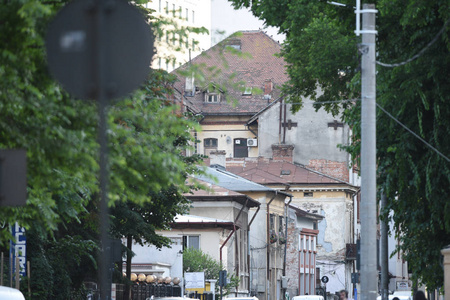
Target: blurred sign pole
{"x":369,"y":276}
{"x":100,"y":49}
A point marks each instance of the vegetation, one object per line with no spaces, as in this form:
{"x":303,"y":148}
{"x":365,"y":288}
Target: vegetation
{"x":323,"y":63}
{"x":195,"y":260}
{"x":147,"y":170}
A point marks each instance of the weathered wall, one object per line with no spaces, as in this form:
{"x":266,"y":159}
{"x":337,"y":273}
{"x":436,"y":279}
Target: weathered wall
{"x":315,"y":141}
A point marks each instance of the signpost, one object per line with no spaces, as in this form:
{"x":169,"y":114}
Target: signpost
{"x":100,"y":49}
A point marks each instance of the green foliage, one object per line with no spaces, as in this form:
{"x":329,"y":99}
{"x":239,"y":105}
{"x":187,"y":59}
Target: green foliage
{"x":147,"y":137}
{"x":321,"y":50}
{"x":59,"y":265}
{"x":195,"y":260}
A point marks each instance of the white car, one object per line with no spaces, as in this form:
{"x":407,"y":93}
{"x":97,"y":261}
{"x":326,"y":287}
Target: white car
{"x":7,"y":293}
{"x":308,"y":297}
{"x":401,"y":295}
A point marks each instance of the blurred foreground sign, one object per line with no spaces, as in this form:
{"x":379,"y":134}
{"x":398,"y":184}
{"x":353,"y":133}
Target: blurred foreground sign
{"x":13,"y":177}
{"x":99,"y":47}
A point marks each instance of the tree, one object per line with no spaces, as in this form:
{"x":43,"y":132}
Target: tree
{"x":195,"y":260}
{"x":146,"y":141}
{"x":321,"y":52}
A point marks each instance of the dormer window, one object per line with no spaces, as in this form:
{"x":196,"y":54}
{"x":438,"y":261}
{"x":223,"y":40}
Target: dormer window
{"x":212,"y":95}
{"x":212,"y":98}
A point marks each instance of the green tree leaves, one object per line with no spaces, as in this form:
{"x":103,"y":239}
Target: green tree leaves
{"x":321,"y":50}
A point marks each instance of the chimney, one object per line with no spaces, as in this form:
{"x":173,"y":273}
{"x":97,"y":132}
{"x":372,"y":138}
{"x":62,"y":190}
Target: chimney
{"x":217,"y":157}
{"x":283,"y":152}
{"x":268,"y":87}
{"x":189,"y":88}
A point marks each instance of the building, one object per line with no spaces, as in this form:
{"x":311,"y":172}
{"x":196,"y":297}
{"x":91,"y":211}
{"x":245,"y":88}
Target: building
{"x":232,"y":82}
{"x":175,"y":43}
{"x":333,"y":199}
{"x":266,"y":252}
{"x":301,"y":253}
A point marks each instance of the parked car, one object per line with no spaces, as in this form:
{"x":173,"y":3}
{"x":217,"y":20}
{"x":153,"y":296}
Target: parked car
{"x":308,"y":297}
{"x":7,"y":293}
{"x":402,"y":295}
{"x":240,"y":298}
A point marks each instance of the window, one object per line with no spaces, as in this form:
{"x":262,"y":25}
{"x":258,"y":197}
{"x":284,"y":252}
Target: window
{"x":308,"y":194}
{"x":191,"y":241}
{"x":210,"y":143}
{"x":240,"y":147}
{"x":174,"y":11}
{"x":212,"y":98}
{"x":272,"y":222}
{"x":187,"y":14}
{"x":160,"y":6}
{"x":247,"y":91}
{"x":281,"y":224}
{"x":167,"y":7}
{"x":159,"y":63}
{"x":174,"y":38}
{"x":193,"y":16}
{"x":193,"y":45}
{"x":180,"y":12}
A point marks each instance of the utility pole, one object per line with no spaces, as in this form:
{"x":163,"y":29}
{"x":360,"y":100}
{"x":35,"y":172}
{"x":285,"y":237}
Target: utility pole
{"x":369,"y":271}
{"x":384,"y":252}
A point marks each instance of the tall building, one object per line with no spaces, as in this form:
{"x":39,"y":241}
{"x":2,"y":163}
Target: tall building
{"x":176,"y":43}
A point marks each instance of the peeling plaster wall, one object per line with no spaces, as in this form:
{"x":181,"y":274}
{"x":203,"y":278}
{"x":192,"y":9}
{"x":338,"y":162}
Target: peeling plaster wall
{"x":314,"y":141}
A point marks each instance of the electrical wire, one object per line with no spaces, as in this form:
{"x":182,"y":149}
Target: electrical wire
{"x":401,"y":124}
{"x":413,"y":133}
{"x":421,"y":52}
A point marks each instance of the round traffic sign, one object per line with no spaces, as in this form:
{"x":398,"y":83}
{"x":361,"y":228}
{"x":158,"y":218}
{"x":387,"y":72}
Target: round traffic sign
{"x":101,"y":47}
{"x":324,"y":279}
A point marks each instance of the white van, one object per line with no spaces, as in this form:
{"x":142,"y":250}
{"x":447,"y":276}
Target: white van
{"x":7,"y":293}
{"x":308,"y":297}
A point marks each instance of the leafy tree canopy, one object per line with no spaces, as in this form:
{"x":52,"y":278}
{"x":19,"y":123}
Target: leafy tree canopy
{"x":146,"y":137}
{"x":323,"y":63}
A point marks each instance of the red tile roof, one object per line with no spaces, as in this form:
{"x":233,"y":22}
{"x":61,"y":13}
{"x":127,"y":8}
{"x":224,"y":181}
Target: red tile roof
{"x":267,"y":171}
{"x":252,"y":66}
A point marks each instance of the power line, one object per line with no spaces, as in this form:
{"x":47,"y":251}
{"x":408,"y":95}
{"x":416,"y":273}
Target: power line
{"x":421,"y":52}
{"x":413,"y":133}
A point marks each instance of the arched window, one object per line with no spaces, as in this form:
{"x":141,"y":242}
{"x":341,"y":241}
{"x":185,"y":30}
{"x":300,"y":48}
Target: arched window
{"x":209,"y":145}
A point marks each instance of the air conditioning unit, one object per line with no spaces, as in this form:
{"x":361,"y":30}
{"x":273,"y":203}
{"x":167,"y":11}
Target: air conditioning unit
{"x":252,"y":142}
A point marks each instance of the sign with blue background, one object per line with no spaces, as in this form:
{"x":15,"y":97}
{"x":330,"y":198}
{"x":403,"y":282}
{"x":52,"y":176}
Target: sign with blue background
{"x":18,"y":249}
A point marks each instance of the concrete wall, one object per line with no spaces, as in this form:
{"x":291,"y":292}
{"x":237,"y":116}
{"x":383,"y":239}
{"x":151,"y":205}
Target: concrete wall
{"x":335,"y":230}
{"x":314,"y":141}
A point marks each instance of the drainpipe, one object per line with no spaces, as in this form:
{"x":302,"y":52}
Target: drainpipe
{"x":268,"y":248}
{"x":285,"y":235}
{"x":249,"y":258}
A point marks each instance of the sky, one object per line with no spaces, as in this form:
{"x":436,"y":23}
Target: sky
{"x":225,"y":21}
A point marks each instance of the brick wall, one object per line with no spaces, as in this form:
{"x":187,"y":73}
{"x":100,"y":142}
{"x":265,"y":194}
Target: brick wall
{"x":282,"y":152}
{"x":333,"y":168}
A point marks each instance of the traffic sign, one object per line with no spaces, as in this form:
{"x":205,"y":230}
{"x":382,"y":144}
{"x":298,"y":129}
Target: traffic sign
{"x":99,"y":47}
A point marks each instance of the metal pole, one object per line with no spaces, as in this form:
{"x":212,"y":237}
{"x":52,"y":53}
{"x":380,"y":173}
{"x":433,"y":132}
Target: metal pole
{"x":102,"y":99}
{"x":368,"y":157}
{"x":384,"y":253}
